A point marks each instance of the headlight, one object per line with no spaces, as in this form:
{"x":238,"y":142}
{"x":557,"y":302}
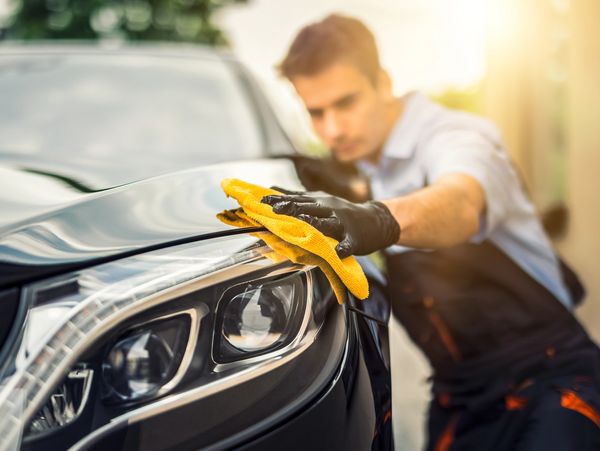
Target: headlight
{"x":147,"y":360}
{"x":65,"y":404}
{"x":255,"y":318}
{"x":198,"y":317}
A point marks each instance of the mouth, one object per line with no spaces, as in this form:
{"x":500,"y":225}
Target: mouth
{"x":346,"y":147}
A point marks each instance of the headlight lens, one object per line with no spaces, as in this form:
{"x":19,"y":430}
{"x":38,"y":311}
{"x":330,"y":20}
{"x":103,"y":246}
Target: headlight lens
{"x":258,"y":318}
{"x":198,"y":314}
{"x":140,"y":363}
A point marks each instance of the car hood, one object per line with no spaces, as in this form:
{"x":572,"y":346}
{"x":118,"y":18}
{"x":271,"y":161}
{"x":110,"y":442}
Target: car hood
{"x":48,"y":223}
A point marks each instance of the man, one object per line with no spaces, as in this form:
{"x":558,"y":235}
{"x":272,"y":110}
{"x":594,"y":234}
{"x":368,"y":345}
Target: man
{"x":472,"y":276}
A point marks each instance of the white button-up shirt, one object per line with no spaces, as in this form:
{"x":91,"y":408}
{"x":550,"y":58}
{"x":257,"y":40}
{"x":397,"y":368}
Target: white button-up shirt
{"x":429,"y":141}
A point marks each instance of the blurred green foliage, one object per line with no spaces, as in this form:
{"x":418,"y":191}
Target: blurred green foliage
{"x":467,"y":99}
{"x":159,"y":20}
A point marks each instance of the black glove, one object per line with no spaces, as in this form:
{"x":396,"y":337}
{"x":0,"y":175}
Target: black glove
{"x":331,"y":176}
{"x":359,"y":228}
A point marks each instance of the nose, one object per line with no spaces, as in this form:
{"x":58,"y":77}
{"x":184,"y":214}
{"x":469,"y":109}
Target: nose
{"x":332,"y":126}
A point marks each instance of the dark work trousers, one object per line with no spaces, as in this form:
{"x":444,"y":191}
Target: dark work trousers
{"x":558,"y":414}
{"x":512,"y":367}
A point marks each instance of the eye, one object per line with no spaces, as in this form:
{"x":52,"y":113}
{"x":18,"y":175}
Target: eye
{"x":315,"y":113}
{"x":346,"y":102}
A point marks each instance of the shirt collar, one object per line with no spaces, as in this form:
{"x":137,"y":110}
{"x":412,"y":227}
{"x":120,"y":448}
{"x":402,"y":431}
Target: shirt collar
{"x":402,"y":140}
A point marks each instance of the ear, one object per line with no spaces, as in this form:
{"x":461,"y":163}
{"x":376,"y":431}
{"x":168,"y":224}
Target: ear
{"x":384,"y":86}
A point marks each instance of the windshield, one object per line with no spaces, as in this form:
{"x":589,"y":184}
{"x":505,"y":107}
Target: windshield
{"x":133,"y":109}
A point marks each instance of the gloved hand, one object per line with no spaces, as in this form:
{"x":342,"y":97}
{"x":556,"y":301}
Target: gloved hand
{"x":359,"y":228}
{"x":329,"y":175}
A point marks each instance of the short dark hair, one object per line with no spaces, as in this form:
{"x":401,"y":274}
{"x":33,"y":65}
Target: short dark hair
{"x":332,"y":39}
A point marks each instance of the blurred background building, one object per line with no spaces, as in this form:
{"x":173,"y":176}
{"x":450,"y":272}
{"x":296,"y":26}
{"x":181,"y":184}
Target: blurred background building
{"x":542,"y":87}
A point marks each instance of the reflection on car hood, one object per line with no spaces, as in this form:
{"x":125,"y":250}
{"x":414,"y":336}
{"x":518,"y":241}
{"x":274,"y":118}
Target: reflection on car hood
{"x":87,"y":174}
{"x":48,"y":223}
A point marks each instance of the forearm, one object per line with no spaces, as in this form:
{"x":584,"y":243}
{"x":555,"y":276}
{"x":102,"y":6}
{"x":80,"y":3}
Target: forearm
{"x":444,"y":214}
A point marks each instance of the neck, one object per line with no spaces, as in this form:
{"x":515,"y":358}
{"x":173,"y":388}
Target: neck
{"x":394,"y":110}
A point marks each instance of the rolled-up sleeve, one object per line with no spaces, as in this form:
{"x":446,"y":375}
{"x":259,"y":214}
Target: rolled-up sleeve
{"x":471,"y":152}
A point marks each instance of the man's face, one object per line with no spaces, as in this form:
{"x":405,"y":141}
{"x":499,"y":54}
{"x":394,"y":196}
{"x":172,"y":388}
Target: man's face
{"x":347,"y":111}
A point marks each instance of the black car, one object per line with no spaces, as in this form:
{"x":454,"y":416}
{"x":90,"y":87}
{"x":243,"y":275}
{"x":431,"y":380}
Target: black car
{"x":130,"y":316}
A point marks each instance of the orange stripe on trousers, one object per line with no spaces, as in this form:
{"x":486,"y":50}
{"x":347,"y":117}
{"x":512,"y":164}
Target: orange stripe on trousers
{"x":447,"y":437}
{"x":570,"y":400}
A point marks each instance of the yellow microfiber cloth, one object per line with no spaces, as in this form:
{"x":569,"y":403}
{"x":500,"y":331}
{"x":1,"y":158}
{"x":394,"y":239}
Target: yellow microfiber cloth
{"x":293,"y":238}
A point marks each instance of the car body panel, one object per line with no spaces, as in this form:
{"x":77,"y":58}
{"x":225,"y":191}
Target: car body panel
{"x":120,"y":220}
